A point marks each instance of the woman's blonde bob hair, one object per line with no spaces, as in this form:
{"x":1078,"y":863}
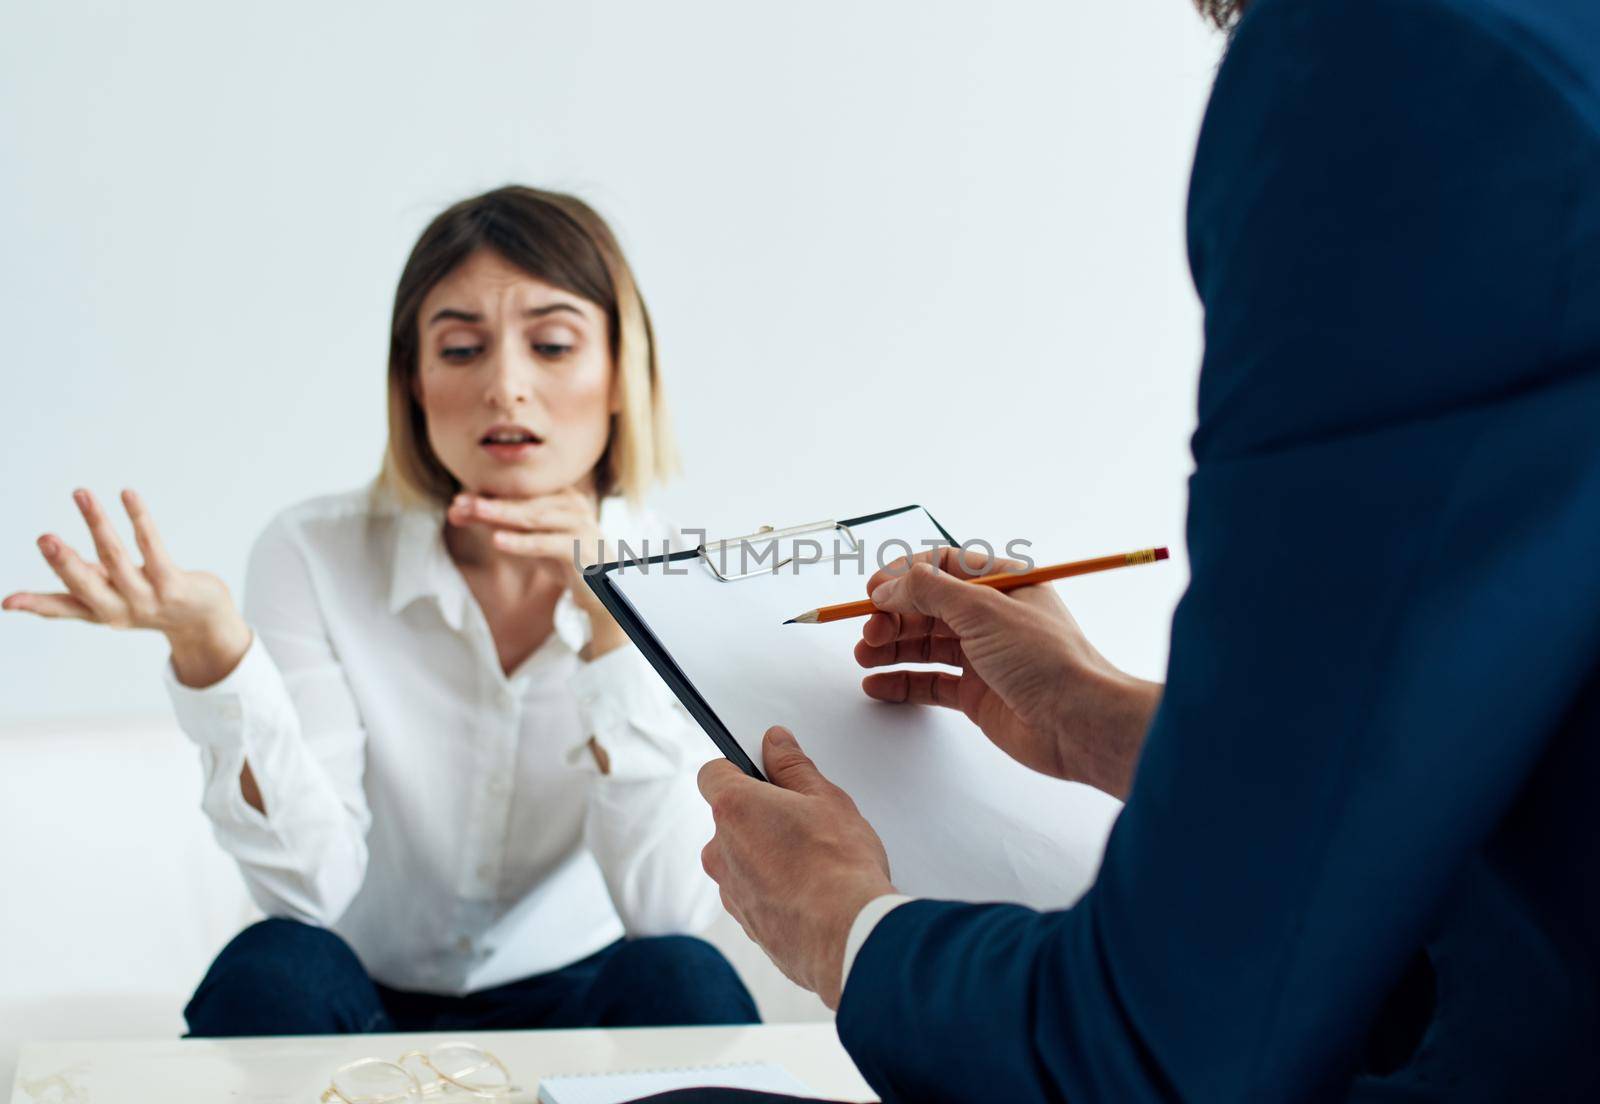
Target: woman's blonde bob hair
{"x":558,"y":239}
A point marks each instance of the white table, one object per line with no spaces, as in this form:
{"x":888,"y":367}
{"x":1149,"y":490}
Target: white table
{"x":295,"y":1070}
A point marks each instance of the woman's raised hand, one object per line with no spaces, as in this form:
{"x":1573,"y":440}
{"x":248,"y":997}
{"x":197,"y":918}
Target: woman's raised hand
{"x":562,"y":528}
{"x":193,"y":609}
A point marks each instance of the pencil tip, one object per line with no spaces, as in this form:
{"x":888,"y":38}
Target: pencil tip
{"x":790,"y":621}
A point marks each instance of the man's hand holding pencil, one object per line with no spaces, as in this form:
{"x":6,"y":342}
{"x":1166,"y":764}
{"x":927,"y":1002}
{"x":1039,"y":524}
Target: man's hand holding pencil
{"x":796,"y":861}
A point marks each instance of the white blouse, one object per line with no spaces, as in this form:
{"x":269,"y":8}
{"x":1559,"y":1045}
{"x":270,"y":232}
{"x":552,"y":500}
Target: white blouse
{"x":446,"y":820}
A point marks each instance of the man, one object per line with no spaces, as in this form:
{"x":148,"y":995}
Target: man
{"x":1357,"y":858}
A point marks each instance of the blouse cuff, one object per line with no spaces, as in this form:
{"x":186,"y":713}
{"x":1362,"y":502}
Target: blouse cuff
{"x":214,"y":716}
{"x":627,"y":710}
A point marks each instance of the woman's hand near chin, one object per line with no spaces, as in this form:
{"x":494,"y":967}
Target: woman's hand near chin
{"x":193,"y":609}
{"x":562,"y":528}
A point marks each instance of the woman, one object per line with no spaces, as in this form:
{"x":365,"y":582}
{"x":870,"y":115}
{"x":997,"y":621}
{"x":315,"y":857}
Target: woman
{"x":463,"y":798}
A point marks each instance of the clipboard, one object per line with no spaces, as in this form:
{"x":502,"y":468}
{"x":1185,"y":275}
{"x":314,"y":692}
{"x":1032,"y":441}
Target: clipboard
{"x":958,"y":818}
{"x":600,"y":580}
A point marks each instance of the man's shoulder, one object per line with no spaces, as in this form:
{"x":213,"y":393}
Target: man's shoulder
{"x":1559,"y":39}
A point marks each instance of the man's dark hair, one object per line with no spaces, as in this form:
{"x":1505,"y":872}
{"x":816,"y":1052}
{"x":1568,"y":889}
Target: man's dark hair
{"x":1224,"y":13}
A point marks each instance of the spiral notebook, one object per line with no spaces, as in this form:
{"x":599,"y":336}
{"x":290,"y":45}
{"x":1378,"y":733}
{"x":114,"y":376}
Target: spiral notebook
{"x":959,"y":818}
{"x":615,"y":1088}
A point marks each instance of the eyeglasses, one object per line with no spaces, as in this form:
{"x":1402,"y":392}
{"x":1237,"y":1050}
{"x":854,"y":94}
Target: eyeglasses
{"x":446,"y":1068}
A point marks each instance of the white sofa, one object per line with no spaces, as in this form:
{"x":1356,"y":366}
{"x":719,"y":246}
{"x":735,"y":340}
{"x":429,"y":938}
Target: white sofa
{"x":116,"y":898}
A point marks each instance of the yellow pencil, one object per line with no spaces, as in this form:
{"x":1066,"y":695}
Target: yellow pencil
{"x":1000,"y":580}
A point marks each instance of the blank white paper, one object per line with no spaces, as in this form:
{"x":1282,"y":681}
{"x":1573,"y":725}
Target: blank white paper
{"x":615,"y":1088}
{"x":959,"y":819}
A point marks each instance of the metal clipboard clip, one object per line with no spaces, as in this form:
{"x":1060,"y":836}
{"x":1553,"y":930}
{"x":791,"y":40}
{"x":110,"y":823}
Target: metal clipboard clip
{"x":767,"y":534}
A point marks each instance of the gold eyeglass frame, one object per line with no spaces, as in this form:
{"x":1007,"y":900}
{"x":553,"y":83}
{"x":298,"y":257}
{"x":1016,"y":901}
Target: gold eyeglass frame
{"x":442,"y":1082}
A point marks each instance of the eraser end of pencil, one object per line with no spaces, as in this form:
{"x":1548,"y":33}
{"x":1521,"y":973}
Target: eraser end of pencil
{"x":1161,"y":553}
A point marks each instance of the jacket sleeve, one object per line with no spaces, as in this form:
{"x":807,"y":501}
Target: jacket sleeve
{"x":1393,"y":523}
{"x":287,"y":711}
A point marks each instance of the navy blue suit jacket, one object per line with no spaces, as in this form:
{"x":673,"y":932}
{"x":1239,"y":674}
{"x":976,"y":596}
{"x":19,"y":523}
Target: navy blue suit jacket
{"x":1361,"y":857}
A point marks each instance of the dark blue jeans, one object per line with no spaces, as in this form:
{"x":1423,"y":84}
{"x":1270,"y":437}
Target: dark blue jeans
{"x":281,"y":977}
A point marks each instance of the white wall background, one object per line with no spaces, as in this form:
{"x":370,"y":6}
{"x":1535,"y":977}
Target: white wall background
{"x":897,"y":251}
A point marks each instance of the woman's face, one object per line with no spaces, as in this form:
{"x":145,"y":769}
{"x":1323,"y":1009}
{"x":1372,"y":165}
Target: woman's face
{"x":514,"y":377}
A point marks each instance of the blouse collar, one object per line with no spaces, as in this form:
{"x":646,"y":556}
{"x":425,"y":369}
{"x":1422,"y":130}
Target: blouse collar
{"x":422,"y":568}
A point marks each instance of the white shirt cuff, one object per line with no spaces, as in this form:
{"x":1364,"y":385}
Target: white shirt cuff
{"x":867,"y":919}
{"x":626,"y":708}
{"x":214,"y":716}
